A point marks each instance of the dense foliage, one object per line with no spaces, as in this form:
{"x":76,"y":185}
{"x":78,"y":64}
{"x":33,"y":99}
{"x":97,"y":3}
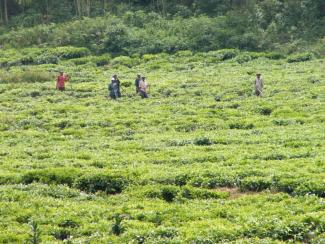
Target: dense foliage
{"x":128,"y":27}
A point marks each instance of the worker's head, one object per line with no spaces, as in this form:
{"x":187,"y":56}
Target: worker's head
{"x":138,"y":76}
{"x":115,"y":76}
{"x":258,"y":75}
{"x":143,"y":78}
{"x":61,"y":72}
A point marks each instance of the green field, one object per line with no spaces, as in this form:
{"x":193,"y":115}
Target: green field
{"x":202,"y":161}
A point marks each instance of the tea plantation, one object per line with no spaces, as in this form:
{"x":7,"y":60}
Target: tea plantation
{"x":203,"y":160}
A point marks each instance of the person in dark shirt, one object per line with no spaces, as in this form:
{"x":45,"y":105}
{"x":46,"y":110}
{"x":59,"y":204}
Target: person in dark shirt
{"x":137,"y":82}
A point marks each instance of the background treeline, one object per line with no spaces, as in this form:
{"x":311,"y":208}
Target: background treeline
{"x":150,"y":26}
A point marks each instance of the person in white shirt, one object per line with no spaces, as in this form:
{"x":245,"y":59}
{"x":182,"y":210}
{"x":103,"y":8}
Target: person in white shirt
{"x":143,"y":88}
{"x":258,"y":85}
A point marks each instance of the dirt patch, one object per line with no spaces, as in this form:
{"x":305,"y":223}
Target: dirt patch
{"x":234,"y":192}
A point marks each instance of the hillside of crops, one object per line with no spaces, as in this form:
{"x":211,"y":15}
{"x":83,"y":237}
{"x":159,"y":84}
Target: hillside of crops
{"x":203,"y":160}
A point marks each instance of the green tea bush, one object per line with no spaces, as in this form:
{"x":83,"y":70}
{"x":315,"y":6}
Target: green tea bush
{"x":165,"y":233}
{"x":182,"y":179}
{"x":255,"y":183}
{"x":203,"y":141}
{"x":265,"y":111}
{"x":68,"y":223}
{"x":309,"y":187}
{"x":183,"y":54}
{"x":223,"y":54}
{"x":243,"y":58}
{"x":35,"y":235}
{"x":269,"y":55}
{"x":287,"y":185}
{"x":101,"y":60}
{"x":108,"y":183}
{"x":125,"y":61}
{"x":300,"y":57}
{"x":46,"y":58}
{"x":9,"y":179}
{"x":189,"y":192}
{"x":50,"y":176}
{"x":168,"y":193}
{"x":61,"y":233}
{"x":241,"y":126}
{"x":117,"y":227}
{"x":69,"y":52}
{"x":28,"y":76}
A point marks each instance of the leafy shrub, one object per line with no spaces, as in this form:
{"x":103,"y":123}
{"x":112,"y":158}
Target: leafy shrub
{"x":274,"y":55}
{"x":63,"y":124}
{"x":101,"y":60}
{"x":255,"y":183}
{"x":50,"y":176}
{"x":193,"y":193}
{"x":300,"y":57}
{"x":240,"y":125}
{"x":286,"y":184}
{"x":311,"y":187}
{"x":185,"y":53}
{"x":274,"y":156}
{"x":270,"y":55}
{"x":47,"y":58}
{"x":125,"y":61}
{"x":35,"y":235}
{"x":98,"y":60}
{"x":313,"y":80}
{"x":203,"y":141}
{"x":265,"y":111}
{"x":69,"y":52}
{"x":9,"y":178}
{"x":165,"y":233}
{"x":283,"y":122}
{"x":110,"y":184}
{"x":168,"y":193}
{"x":28,"y":76}
{"x":117,"y":227}
{"x":218,"y":98}
{"x":181,"y":180}
{"x":61,"y":233}
{"x":223,"y":54}
{"x":243,"y":58}
{"x":68,"y":223}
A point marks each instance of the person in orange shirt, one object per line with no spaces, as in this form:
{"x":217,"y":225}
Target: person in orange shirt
{"x":60,"y":82}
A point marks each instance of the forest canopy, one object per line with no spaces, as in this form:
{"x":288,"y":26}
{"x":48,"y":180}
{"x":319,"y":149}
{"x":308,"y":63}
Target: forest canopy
{"x":182,"y":25}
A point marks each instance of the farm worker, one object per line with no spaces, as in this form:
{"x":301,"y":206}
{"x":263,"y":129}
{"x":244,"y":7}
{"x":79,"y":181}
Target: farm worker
{"x":137,"y":82}
{"x":60,"y":82}
{"x":258,"y":85}
{"x":114,"y":88}
{"x":143,"y":87}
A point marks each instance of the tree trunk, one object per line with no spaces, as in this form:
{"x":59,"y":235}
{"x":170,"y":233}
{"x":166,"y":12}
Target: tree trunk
{"x":88,"y":7}
{"x":77,"y":7}
{"x":1,"y":14}
{"x":5,"y":9}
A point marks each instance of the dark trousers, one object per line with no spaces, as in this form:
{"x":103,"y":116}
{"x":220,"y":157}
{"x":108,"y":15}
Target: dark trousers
{"x":143,"y":94}
{"x":258,"y":92}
